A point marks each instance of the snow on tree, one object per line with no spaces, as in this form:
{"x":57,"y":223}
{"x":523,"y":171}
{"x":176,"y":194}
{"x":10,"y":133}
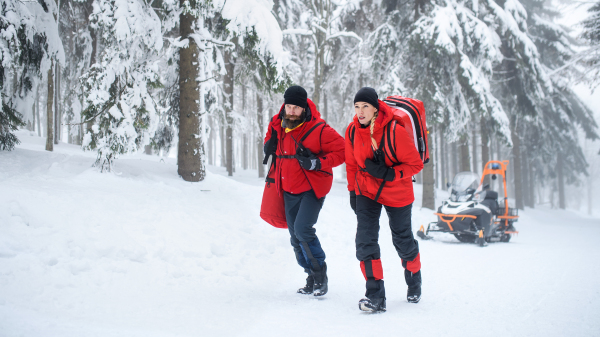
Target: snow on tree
{"x":118,"y":88}
{"x":556,"y":129}
{"x":591,"y":33}
{"x":220,"y":26}
{"x":28,"y":40}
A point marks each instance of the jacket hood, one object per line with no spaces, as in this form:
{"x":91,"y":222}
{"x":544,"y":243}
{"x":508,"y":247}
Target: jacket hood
{"x":311,"y":113}
{"x":384,"y":116}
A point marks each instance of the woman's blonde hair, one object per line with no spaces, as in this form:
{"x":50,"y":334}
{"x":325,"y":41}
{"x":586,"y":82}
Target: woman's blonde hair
{"x":373,"y":141}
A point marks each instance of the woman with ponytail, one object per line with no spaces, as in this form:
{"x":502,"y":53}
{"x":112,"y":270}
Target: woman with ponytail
{"x":376,"y":179}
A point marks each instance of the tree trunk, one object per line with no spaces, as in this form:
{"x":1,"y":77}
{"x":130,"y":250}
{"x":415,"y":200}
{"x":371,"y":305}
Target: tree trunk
{"x":527,"y":181}
{"x":210,"y":143}
{"x":443,"y":159}
{"x":476,"y":167}
{"x":49,"y":114}
{"x":228,"y":101}
{"x":33,"y":114}
{"x":57,"y":117}
{"x":189,"y":153}
{"x":428,"y":179}
{"x":436,"y":159}
{"x":325,"y":112}
{"x":465,"y":162}
{"x":223,"y":146}
{"x":531,"y":185}
{"x":485,"y":148}
{"x":518,"y":185}
{"x":259,"y":137}
{"x":590,"y":194}
{"x":561,"y":182}
{"x":454,"y":162}
{"x":37,"y":110}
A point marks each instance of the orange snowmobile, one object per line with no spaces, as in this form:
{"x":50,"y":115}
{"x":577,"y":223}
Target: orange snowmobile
{"x":473,"y":213}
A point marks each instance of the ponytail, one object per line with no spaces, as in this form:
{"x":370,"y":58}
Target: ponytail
{"x":373,"y":141}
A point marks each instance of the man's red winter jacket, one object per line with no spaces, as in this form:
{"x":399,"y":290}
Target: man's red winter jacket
{"x":396,"y":193}
{"x":323,"y":141}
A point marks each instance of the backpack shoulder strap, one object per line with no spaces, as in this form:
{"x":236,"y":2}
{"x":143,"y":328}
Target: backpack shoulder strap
{"x":351,"y":134}
{"x":391,"y":144}
{"x":310,"y":131}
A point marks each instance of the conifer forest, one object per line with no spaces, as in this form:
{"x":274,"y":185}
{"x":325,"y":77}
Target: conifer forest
{"x":199,"y":80}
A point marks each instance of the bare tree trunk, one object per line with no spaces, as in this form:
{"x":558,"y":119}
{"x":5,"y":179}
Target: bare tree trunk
{"x":325,"y":112}
{"x":211,"y":141}
{"x":190,"y":149}
{"x":561,"y":182}
{"x":443,"y":158}
{"x":518,"y":185}
{"x":228,"y":101}
{"x":485,"y":148}
{"x":37,"y":110}
{"x":33,"y":114}
{"x":465,"y":162}
{"x":259,"y":137}
{"x":527,"y":195}
{"x":453,"y":161}
{"x":436,"y":159}
{"x":590,"y":193}
{"x":476,"y":167}
{"x":223,"y":146}
{"x":531,"y":185}
{"x":428,"y":178}
{"x":49,"y":115}
{"x":57,"y":115}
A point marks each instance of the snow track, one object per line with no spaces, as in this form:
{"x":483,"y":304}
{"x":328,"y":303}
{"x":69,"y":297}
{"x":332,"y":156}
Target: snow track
{"x":143,"y":253}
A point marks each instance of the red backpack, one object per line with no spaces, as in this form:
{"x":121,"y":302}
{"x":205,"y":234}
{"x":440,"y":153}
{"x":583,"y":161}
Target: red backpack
{"x":410,"y":113}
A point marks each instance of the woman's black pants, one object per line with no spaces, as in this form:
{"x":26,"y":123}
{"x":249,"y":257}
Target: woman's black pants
{"x":368,"y":253}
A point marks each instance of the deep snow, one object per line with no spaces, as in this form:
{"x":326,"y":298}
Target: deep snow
{"x":142,"y":253}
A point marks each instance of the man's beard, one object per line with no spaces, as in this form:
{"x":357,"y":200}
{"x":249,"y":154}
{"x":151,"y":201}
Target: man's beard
{"x":292,"y":121}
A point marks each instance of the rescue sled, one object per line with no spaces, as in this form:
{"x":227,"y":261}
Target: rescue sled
{"x":473,"y":213}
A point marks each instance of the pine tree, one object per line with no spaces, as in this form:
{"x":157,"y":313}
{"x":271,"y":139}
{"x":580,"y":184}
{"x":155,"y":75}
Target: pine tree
{"x":118,"y":87}
{"x":592,"y":34}
{"x":29,"y":37}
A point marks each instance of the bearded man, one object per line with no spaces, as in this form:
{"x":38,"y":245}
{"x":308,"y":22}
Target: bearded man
{"x":305,"y":150}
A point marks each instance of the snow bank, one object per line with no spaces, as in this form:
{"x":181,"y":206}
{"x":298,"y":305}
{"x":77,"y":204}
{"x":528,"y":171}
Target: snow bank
{"x":143,"y":253}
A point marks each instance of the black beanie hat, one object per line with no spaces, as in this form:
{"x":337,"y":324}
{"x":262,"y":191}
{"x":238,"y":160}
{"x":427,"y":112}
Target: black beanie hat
{"x":296,"y":95}
{"x":367,"y":94}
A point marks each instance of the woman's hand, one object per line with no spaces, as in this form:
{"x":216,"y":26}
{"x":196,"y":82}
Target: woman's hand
{"x":379,"y":170}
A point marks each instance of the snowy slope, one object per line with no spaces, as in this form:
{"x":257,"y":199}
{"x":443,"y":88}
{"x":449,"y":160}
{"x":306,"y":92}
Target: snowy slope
{"x":143,"y":253}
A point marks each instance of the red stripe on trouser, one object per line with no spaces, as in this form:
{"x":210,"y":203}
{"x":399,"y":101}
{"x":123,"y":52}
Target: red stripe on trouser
{"x":372,"y":268}
{"x":414,"y":265}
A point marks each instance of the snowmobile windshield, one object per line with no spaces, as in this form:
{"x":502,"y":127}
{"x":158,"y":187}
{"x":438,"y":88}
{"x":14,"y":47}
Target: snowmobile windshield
{"x":463,"y":186}
{"x":464,"y":181}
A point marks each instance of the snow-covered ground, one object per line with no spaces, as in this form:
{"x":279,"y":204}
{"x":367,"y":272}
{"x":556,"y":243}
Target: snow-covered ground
{"x":140,"y":252}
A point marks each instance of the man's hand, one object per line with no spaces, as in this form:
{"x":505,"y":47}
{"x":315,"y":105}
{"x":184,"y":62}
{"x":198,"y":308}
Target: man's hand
{"x":307,"y":159}
{"x":353,"y":200}
{"x":270,"y":147}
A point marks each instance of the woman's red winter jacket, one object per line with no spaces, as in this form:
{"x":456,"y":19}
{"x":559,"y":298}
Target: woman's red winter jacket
{"x":323,"y":141}
{"x":396,"y":193}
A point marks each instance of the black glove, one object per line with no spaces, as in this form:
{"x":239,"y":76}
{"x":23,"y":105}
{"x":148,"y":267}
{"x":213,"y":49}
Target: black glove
{"x":378,"y":169}
{"x":353,"y":200}
{"x":307,"y":159}
{"x":270,"y":146}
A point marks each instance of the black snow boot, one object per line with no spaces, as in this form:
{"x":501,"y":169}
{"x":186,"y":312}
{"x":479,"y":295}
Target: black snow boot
{"x":414,"y":286}
{"x":310,"y":281}
{"x":320,"y":276}
{"x":372,"y":305}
